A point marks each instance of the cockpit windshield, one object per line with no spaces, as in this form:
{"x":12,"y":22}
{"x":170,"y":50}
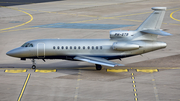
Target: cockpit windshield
{"x":27,"y":45}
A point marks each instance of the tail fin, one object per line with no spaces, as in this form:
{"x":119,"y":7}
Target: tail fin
{"x":154,"y":21}
{"x":150,"y":28}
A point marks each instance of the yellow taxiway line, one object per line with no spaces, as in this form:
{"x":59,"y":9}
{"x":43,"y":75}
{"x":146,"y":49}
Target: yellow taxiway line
{"x":44,"y":70}
{"x":134,"y":87}
{"x":147,"y":70}
{"x":15,"y":70}
{"x":117,"y":70}
{"x":20,"y":24}
{"x":97,"y":18}
{"x":137,"y":70}
{"x":173,"y":17}
{"x":24,"y":86}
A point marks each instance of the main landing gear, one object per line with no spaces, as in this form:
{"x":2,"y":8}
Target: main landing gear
{"x":98,"y":67}
{"x":34,"y":64}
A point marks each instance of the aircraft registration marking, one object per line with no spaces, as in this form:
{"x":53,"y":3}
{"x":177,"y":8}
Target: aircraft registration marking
{"x":15,"y":70}
{"x":121,"y":34}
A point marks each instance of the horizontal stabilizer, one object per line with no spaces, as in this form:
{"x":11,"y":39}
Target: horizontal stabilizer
{"x":157,"y":32}
{"x":95,"y":60}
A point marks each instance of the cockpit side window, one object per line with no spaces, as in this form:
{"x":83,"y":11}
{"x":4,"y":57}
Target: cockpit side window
{"x":24,"y":44}
{"x":27,"y":45}
{"x":31,"y":45}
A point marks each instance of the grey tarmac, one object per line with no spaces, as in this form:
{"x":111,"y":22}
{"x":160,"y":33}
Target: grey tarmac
{"x":149,"y":77}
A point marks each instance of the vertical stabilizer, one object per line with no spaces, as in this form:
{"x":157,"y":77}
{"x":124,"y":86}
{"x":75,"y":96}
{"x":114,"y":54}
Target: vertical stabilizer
{"x":154,"y":21}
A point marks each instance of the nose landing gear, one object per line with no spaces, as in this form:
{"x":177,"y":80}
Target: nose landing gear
{"x":34,"y":64}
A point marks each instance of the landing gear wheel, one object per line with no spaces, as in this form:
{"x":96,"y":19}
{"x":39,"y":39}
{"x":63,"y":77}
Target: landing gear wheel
{"x":34,"y":64}
{"x":33,"y":67}
{"x":98,"y":67}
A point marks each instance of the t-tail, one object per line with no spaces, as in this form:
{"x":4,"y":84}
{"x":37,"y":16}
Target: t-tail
{"x":150,"y":28}
{"x":154,"y":21}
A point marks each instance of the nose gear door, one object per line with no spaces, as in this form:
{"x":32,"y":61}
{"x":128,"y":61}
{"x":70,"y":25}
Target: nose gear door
{"x":41,"y":50}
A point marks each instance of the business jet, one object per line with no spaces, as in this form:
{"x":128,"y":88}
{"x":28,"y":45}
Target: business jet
{"x":121,"y":44}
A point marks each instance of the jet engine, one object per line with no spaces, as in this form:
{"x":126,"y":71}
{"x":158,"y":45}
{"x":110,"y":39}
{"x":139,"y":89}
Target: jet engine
{"x":124,"y":46}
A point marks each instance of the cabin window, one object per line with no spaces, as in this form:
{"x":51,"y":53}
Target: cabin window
{"x":62,"y":47}
{"x":88,"y":47}
{"x":100,"y":47}
{"x":54,"y":47}
{"x":58,"y":47}
{"x":70,"y":47}
{"x":79,"y":47}
{"x":92,"y":47}
{"x":96,"y":47}
{"x":83,"y":47}
{"x":66,"y":47}
{"x":74,"y":47}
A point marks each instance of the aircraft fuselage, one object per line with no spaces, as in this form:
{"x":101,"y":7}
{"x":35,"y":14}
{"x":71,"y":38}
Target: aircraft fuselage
{"x":69,"y":48}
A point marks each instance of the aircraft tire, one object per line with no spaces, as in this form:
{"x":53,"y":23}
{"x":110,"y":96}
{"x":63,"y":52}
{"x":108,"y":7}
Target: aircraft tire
{"x":98,"y":67}
{"x":33,"y":67}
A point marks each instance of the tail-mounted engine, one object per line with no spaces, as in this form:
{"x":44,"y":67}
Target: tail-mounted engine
{"x":120,"y":46}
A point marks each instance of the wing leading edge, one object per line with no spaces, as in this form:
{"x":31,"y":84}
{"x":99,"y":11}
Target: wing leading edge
{"x":95,"y":60}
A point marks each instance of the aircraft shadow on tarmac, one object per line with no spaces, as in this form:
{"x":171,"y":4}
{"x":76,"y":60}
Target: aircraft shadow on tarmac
{"x":23,"y":2}
{"x":68,"y":65}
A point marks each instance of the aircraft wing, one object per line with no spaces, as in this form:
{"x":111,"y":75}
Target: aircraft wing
{"x":96,"y":60}
{"x":157,"y":32}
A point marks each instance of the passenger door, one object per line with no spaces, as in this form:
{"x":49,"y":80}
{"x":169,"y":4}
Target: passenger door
{"x":41,"y":50}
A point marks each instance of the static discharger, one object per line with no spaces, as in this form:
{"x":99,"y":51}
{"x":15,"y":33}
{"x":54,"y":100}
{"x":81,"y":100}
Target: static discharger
{"x":45,"y":71}
{"x":117,"y":70}
{"x":15,"y":70}
{"x":147,"y":70}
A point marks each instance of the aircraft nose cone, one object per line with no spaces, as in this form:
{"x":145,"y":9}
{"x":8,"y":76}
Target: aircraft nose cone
{"x":8,"y":53}
{"x":13,"y":53}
